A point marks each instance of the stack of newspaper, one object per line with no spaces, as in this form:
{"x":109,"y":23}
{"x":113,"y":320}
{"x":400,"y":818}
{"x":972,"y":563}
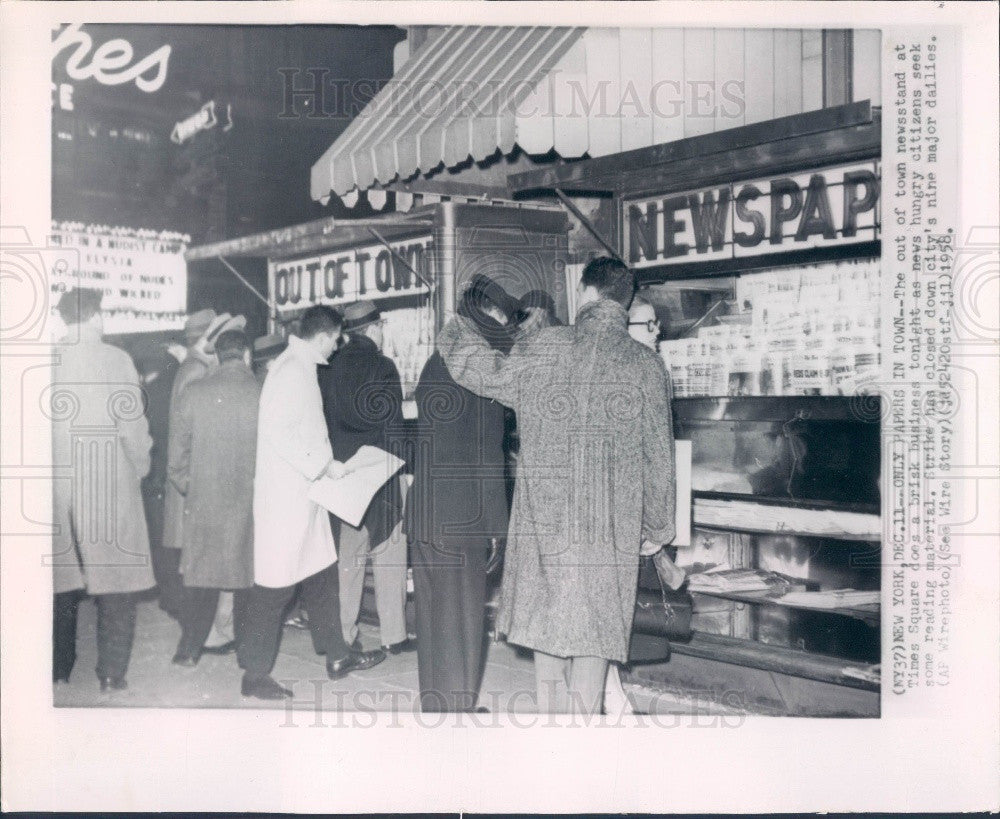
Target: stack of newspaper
{"x":833,"y":599}
{"x":726,"y":581}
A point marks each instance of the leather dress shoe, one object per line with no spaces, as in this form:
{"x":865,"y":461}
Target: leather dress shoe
{"x":185,"y":660}
{"x":263,"y":688}
{"x":353,"y":661}
{"x":223,"y":648}
{"x":112,"y":684}
{"x":402,"y":647}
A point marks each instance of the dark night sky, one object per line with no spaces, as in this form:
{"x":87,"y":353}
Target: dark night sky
{"x":217,"y":184}
{"x":114,"y":163}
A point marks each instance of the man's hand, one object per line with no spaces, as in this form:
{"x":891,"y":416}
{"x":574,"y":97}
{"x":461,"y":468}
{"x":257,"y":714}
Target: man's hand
{"x":649,"y":548}
{"x":335,"y":470}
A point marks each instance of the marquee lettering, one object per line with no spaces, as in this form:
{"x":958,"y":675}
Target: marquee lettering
{"x":111,"y":63}
{"x":348,"y":275}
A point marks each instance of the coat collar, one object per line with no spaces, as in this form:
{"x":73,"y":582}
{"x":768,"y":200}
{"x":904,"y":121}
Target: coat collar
{"x":235,"y":365}
{"x":304,"y":351}
{"x":360,"y":343}
{"x":603,"y":314}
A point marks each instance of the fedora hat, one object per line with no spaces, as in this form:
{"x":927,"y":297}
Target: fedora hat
{"x":360,"y":314}
{"x":197,"y":323}
{"x":267,"y":347}
{"x":220,"y":325}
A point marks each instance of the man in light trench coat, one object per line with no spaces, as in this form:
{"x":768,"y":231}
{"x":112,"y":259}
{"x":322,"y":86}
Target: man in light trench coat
{"x":293,"y":542}
{"x":101,"y":544}
{"x":595,"y":481}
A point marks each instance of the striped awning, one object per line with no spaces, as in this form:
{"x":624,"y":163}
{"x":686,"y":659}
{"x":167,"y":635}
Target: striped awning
{"x":469,"y":92}
{"x":456,"y":98}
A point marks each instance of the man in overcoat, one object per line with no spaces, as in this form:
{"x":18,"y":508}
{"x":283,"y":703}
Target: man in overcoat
{"x":101,"y":544}
{"x":362,"y":402}
{"x":157,"y":368}
{"x":595,"y":480}
{"x":456,"y":509}
{"x":194,"y":366}
{"x":293,"y":542}
{"x":212,"y":458}
{"x":202,"y":361}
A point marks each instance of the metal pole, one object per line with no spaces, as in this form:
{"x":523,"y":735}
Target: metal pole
{"x":572,"y":208}
{"x":249,"y":286}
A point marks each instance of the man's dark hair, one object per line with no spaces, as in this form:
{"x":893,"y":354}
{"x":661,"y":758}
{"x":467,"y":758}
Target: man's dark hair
{"x":231,"y":344}
{"x":612,"y":279}
{"x":320,"y":318}
{"x":79,"y":305}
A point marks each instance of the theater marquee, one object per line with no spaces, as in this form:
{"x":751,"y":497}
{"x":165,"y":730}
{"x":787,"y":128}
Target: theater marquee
{"x":826,"y":207}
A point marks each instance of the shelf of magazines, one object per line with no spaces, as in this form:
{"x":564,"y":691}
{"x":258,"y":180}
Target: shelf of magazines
{"x":811,"y":330}
{"x":717,"y":510}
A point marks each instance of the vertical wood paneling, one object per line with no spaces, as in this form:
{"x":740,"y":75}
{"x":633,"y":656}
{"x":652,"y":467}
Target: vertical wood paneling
{"x":787,"y":72}
{"x":636,"y":67}
{"x":866,"y":71}
{"x":572,"y":133}
{"x":603,"y":90}
{"x":729,"y":78}
{"x":534,"y":118}
{"x":699,"y":80}
{"x":812,"y":69}
{"x":837,"y":46}
{"x":620,"y":89}
{"x":668,"y":84}
{"x":758,"y":75}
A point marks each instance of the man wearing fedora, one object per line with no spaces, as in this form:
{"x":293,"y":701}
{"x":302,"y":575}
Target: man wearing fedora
{"x":201,"y":331}
{"x":266,"y":350}
{"x":193,"y":367}
{"x":212,"y":456}
{"x":362,"y":402}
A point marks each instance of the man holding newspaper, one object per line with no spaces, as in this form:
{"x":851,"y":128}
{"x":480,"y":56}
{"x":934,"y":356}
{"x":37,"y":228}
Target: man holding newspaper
{"x":293,"y":542}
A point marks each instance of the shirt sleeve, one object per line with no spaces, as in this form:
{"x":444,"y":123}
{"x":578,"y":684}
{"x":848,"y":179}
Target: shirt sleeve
{"x":659,"y":478}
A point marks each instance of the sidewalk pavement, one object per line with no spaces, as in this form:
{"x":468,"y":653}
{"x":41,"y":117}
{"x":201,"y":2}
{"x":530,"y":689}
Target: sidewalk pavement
{"x":155,"y":682}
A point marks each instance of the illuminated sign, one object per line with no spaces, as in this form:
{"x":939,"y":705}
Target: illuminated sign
{"x":832,"y":206}
{"x":343,"y":276}
{"x":141,"y":273}
{"x":201,"y":120}
{"x":111,"y":63}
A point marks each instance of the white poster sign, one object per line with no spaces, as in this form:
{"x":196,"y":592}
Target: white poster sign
{"x":141,"y":273}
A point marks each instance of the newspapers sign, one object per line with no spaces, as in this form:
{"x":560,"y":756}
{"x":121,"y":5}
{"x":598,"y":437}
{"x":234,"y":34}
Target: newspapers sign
{"x":346,"y":275}
{"x":830,"y":206}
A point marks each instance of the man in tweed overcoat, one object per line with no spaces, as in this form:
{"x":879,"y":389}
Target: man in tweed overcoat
{"x":595,"y":481}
